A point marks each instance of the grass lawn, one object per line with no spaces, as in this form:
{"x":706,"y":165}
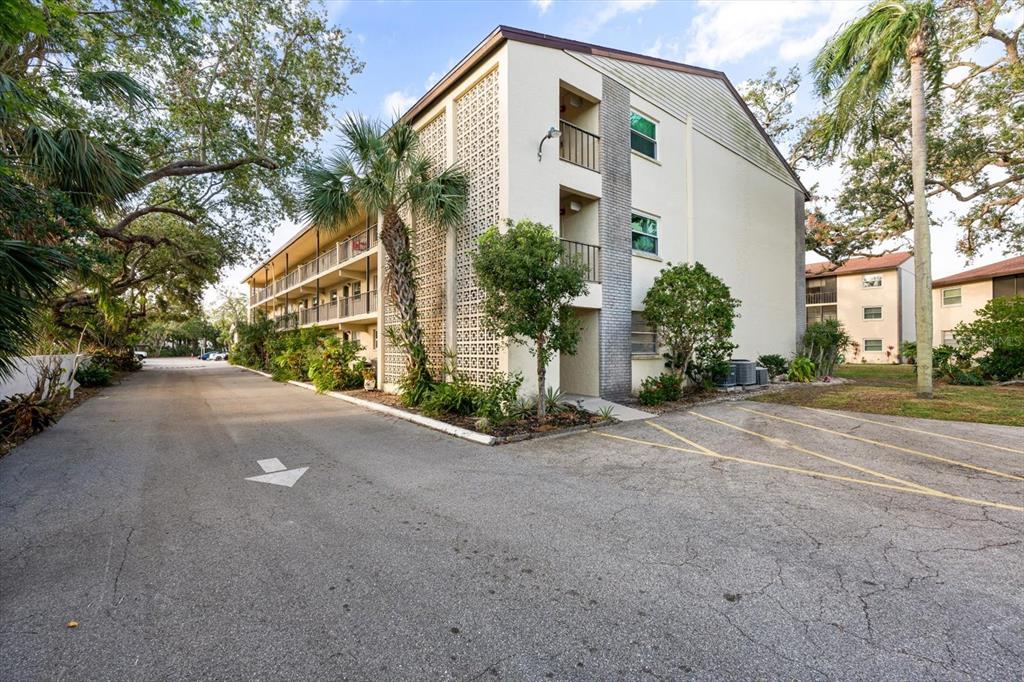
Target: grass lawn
{"x":889,"y":389}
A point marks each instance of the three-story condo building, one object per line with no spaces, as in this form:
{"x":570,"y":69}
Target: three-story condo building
{"x":635,"y":161}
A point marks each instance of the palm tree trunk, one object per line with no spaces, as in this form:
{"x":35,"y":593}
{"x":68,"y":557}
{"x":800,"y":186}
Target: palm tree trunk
{"x":922,"y":229}
{"x":394,"y":235}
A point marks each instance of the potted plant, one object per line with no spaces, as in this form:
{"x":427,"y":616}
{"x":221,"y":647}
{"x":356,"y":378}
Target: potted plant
{"x":369,"y":378}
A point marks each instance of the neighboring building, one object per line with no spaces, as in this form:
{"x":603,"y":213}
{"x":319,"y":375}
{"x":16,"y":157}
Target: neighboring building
{"x":656,"y":162}
{"x":872,"y":297}
{"x":956,"y":298}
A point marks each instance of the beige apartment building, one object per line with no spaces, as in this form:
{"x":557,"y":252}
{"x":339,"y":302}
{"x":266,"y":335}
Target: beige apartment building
{"x":956,"y":298}
{"x":872,"y":297}
{"x":636,"y":162}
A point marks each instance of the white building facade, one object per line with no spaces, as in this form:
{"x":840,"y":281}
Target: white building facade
{"x":655,"y":163}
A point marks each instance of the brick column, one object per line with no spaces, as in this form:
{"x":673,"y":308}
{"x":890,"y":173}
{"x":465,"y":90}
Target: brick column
{"x":616,"y":242}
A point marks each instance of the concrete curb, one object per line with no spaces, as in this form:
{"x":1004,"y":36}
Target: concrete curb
{"x":450,"y":429}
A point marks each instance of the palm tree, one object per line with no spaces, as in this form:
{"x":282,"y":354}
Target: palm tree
{"x":854,"y":72}
{"x":384,"y":173}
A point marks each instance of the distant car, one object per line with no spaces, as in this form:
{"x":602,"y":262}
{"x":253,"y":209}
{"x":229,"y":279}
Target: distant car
{"x":141,"y":354}
{"x":218,"y":355}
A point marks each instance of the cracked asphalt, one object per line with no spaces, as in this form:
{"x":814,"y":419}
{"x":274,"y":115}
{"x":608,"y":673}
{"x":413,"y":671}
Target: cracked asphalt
{"x":624,"y":552}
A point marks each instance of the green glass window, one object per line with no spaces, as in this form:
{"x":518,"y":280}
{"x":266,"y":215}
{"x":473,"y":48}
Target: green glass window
{"x":645,"y":234}
{"x":873,"y":312}
{"x":951,"y":296}
{"x":643,"y":135}
{"x":873,"y":345}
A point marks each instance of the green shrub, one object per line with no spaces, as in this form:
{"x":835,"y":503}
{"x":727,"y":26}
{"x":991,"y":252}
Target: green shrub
{"x":802,"y":369}
{"x":775,"y":364}
{"x":823,"y":343}
{"x":908,"y":351}
{"x":92,"y":375}
{"x":334,"y":364}
{"x":117,"y":360}
{"x":1002,"y":364}
{"x":454,"y":397}
{"x":498,"y":400}
{"x":659,"y":389}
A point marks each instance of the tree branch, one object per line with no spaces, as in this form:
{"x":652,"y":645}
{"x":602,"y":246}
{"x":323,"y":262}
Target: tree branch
{"x":188,"y":167}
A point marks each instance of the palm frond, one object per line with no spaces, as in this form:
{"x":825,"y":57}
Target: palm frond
{"x":28,"y":275}
{"x":862,"y":62}
{"x":362,"y":139}
{"x":440,"y":199}
{"x":113,"y":87}
{"x":327,"y":195}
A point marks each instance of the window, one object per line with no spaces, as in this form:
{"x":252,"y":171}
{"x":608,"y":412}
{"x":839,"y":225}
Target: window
{"x":871,"y":281}
{"x":873,"y":312}
{"x":951,"y":296}
{"x":645,"y":234}
{"x":821,"y":312}
{"x":872,"y":345}
{"x":643,"y":135}
{"x":947,"y":338}
{"x":1008,"y":286}
{"x":375,"y":337}
{"x":643,"y":339}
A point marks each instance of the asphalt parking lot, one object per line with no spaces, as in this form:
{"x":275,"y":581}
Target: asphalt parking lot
{"x":739,"y":541}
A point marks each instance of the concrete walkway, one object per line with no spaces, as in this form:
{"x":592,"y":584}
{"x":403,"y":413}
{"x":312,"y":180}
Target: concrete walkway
{"x":621,"y":412}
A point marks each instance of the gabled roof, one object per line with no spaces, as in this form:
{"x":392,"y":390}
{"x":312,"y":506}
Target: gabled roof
{"x":856,"y":265}
{"x":678,"y":88}
{"x":1010,"y":266}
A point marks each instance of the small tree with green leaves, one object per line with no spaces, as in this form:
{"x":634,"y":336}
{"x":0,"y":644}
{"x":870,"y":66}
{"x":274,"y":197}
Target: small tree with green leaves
{"x":528,"y":284}
{"x":693,"y":312}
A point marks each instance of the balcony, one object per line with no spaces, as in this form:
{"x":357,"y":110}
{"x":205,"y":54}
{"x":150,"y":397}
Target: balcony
{"x":340,"y":310}
{"x":342,"y":251}
{"x":816,"y":297}
{"x":579,"y":147}
{"x":588,"y":254}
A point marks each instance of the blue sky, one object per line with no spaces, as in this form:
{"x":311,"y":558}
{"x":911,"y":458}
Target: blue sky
{"x":407,"y":46}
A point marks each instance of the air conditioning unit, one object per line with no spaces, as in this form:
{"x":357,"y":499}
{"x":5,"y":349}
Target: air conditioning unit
{"x":729,"y":380}
{"x":746,"y":372}
{"x":762,"y":376}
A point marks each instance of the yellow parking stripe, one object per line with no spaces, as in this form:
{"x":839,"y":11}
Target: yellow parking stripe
{"x":907,"y":428}
{"x":812,"y":453}
{"x":807,"y":472}
{"x":954,"y":462}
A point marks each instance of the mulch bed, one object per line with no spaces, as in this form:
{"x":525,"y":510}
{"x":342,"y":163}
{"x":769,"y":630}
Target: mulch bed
{"x":569,"y":418}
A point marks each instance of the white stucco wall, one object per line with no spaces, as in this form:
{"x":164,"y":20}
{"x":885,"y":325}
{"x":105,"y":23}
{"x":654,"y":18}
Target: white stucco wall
{"x":744,"y":233}
{"x":974,"y":295}
{"x":26,"y":371}
{"x":852,"y":297}
{"x":907,"y":297}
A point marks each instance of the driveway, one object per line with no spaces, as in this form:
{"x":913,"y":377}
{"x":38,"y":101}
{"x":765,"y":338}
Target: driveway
{"x":740,"y":541}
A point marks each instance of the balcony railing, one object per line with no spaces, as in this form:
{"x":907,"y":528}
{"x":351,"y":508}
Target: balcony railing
{"x":588,"y":254}
{"x":351,"y":306}
{"x":578,"y":146}
{"x":814,"y":297}
{"x":339,"y":253}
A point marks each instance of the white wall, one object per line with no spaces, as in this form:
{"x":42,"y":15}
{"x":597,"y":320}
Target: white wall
{"x":974,"y":295}
{"x":26,"y":372}
{"x":852,"y":297}
{"x":744,"y":233}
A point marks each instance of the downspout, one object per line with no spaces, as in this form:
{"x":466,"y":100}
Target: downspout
{"x":286,"y":287}
{"x":266,"y":311}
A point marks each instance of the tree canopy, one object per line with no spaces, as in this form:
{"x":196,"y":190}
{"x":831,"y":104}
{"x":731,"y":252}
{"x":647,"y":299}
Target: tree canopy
{"x":154,"y":143}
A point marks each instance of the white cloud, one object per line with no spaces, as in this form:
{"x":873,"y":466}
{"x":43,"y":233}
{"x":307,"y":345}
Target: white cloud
{"x":397,"y":103}
{"x":609,"y":10}
{"x":724,"y":32}
{"x":542,"y":5}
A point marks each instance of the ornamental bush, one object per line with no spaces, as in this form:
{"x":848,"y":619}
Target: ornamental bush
{"x":333,"y":364}
{"x":996,"y":338}
{"x":694,"y":314}
{"x":823,"y":343}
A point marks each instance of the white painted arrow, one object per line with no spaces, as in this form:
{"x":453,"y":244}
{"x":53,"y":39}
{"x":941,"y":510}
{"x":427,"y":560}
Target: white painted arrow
{"x":277,"y":474}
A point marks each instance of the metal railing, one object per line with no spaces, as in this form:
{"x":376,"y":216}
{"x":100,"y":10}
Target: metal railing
{"x":588,"y":254}
{"x":351,"y":306}
{"x":821,"y":297}
{"x":579,"y":146}
{"x":354,"y":246}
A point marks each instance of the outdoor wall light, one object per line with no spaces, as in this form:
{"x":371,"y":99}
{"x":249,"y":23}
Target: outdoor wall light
{"x":552,"y":132}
